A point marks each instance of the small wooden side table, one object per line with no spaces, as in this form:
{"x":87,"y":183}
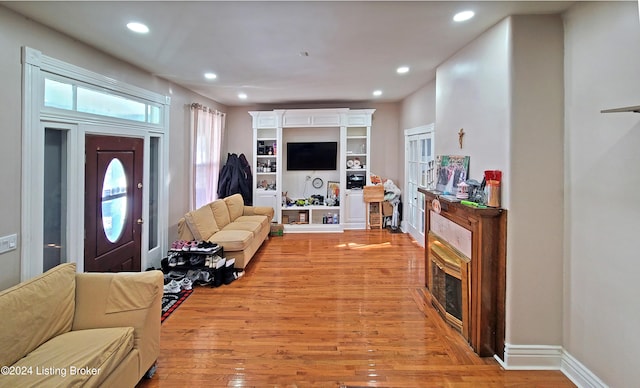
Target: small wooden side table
{"x":373,"y":197}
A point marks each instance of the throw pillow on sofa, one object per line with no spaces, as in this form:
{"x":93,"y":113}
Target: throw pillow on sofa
{"x":202,"y":223}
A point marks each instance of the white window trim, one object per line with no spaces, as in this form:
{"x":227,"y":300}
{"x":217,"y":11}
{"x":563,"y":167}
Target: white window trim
{"x":34,"y":119}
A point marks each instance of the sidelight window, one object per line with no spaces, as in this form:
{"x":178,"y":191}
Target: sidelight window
{"x":55,"y":198}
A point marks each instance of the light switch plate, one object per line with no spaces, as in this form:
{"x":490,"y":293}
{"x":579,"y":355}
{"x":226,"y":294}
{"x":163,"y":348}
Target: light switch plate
{"x":8,"y":243}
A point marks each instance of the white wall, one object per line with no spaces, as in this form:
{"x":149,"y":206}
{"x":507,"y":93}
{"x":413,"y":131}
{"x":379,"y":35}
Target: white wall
{"x":535,"y":182}
{"x":419,"y":108}
{"x":602,"y":70}
{"x":472,"y":92}
{"x":385,"y":144}
{"x":505,"y":90}
{"x":15,"y":32}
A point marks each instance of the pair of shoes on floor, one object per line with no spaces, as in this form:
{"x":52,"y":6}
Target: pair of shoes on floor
{"x":213,"y":261}
{"x":217,"y":265}
{"x":189,"y":246}
{"x":229,"y":272}
{"x":199,"y":246}
{"x":175,"y":286}
{"x":194,"y":246}
{"x":205,"y":247}
{"x":193,"y":275}
{"x":177,"y":246}
{"x":176,"y":259}
{"x":174,"y":275}
{"x":197,"y":260}
{"x":172,"y":259}
{"x":204,"y":277}
{"x":186,"y":284}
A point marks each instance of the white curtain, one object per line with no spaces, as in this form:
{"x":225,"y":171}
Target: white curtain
{"x":207,"y":126}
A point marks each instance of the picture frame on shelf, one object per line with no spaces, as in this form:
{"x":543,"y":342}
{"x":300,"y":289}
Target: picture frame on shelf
{"x":333,"y":189}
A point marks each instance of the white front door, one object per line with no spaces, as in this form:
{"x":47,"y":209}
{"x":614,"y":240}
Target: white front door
{"x":419,"y":172}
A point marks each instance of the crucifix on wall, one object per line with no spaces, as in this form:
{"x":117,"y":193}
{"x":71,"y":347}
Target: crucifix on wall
{"x":460,"y":136}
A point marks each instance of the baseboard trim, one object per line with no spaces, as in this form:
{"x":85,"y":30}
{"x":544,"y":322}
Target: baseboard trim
{"x":579,"y":374}
{"x":532,"y":357}
{"x":547,"y":357}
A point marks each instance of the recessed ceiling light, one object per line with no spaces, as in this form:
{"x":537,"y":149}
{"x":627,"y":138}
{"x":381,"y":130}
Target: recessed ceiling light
{"x":138,"y":27}
{"x":462,"y":16}
{"x":210,"y":76}
{"x":242,"y":96}
{"x":402,"y":69}
{"x":377,"y":93}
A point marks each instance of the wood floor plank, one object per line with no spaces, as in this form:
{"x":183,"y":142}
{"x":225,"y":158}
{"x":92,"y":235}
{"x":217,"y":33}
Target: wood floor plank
{"x":326,"y":310}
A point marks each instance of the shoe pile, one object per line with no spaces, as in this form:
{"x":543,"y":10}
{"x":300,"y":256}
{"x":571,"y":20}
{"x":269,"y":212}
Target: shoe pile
{"x":193,"y":246}
{"x":194,"y":262}
{"x":216,"y":272}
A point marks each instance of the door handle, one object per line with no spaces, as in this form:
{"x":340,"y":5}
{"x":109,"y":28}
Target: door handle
{"x":140,"y":221}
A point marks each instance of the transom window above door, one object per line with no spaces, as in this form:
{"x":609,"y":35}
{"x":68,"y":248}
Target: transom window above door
{"x":71,"y":95}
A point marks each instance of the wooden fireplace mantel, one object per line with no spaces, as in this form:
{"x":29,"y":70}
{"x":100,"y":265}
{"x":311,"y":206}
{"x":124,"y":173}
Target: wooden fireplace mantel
{"x":487,"y":274}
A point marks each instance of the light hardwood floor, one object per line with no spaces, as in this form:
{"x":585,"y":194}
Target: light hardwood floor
{"x":326,"y":310}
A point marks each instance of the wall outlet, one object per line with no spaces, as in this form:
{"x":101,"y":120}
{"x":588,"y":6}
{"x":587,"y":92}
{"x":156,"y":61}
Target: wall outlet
{"x":8,"y":243}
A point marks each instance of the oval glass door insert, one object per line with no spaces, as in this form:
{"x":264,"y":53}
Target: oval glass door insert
{"x":114,"y":200}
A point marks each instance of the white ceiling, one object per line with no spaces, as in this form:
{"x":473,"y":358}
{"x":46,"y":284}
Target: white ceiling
{"x":254,"y":47}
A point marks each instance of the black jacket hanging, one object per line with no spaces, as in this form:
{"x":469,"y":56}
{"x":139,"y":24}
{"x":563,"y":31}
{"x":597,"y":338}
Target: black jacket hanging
{"x":235,"y":178}
{"x":247,"y":184}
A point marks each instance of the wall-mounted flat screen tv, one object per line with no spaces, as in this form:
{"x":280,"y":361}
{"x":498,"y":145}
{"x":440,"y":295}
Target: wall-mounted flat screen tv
{"x":312,"y":156}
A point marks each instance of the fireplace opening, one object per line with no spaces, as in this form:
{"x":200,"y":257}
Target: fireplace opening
{"x":450,"y":284}
{"x":453,"y":289}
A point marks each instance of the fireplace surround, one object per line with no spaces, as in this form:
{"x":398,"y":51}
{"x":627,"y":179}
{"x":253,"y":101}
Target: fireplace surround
{"x":464,"y":242}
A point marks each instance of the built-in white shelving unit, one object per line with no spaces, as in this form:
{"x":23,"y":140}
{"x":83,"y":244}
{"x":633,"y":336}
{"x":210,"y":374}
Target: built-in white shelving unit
{"x":350,"y":128}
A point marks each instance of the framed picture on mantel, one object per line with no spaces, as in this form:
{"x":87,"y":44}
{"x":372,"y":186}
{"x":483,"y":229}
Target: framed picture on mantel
{"x":452,"y":170}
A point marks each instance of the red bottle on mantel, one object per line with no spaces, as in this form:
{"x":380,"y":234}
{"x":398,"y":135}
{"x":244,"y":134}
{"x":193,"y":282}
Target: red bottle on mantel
{"x":492,"y":188}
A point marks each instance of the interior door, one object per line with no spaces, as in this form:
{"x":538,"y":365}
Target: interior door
{"x":419,"y":165}
{"x":113,"y":203}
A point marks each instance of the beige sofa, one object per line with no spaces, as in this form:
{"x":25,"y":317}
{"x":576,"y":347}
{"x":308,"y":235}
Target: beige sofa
{"x":239,"y":229}
{"x":68,"y":329}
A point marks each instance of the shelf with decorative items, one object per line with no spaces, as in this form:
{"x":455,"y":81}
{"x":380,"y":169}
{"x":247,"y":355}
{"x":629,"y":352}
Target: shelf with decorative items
{"x":273,"y":130}
{"x":266,"y":164}
{"x":266,"y":154}
{"x":266,"y":161}
{"x":311,"y":218}
{"x":357,"y":146}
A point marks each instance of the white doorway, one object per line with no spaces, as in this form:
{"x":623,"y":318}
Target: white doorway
{"x":62,"y":104}
{"x":419,"y":172}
